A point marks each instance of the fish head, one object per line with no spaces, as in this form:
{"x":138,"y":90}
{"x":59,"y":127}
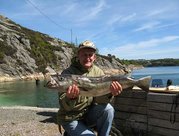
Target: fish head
{"x":59,"y":82}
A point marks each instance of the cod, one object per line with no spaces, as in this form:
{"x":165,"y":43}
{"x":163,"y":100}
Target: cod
{"x":95,"y":86}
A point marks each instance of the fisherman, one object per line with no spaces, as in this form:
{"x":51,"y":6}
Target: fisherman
{"x":78,"y":114}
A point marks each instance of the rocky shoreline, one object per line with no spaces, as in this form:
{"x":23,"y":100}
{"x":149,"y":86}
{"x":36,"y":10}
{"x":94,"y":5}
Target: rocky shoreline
{"x":7,"y":78}
{"x":28,"y":121}
{"x":40,"y":76}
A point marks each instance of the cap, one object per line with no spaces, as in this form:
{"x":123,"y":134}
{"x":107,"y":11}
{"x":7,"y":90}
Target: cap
{"x":87,"y":44}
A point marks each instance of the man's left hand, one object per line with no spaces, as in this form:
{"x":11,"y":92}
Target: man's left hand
{"x":115,"y":88}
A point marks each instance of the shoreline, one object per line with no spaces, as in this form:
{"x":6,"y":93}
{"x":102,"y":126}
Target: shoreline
{"x":8,"y":78}
{"x":28,"y":121}
{"x":41,"y":76}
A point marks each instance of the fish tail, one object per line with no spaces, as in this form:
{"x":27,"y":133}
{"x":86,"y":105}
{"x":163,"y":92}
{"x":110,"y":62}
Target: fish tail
{"x":144,"y":83}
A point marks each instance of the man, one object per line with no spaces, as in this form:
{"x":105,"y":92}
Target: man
{"x":78,"y":114}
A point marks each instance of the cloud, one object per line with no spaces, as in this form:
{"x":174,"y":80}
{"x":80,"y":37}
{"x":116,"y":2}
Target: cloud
{"x":69,"y":8}
{"x":149,"y":43}
{"x":120,"y":19}
{"x":152,"y":54}
{"x":136,"y":50}
{"x":147,"y":26}
{"x":128,"y":18}
{"x":153,"y":26}
{"x":163,"y":10}
{"x":156,"y":12}
{"x":92,"y":12}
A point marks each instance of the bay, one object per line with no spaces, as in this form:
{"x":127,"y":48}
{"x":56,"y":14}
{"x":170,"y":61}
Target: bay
{"x":164,"y":73}
{"x":27,"y":93}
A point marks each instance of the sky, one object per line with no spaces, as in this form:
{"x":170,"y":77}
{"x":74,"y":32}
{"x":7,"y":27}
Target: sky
{"x":128,"y":29}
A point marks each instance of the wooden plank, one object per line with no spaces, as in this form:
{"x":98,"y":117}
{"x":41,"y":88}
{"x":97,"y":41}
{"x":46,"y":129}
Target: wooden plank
{"x":130,"y":127}
{"x":162,"y":131}
{"x":130,"y":101}
{"x":120,"y":123}
{"x":161,"y":97}
{"x":163,"y":123}
{"x":131,"y":116}
{"x":132,"y":109}
{"x":133,"y":94}
{"x":163,"y":115}
{"x":130,"y":124}
{"x":163,"y":107}
{"x":153,"y":134}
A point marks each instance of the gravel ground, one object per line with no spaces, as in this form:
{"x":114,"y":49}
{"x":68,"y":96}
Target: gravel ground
{"x":28,"y":121}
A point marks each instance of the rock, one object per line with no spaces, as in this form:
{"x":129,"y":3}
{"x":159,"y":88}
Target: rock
{"x":25,"y":52}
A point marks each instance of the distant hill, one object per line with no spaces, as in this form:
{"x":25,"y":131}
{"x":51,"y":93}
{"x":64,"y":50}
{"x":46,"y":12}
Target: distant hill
{"x":26,"y":52}
{"x":154,"y":62}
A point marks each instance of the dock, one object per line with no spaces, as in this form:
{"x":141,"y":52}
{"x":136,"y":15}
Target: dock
{"x":153,"y":113}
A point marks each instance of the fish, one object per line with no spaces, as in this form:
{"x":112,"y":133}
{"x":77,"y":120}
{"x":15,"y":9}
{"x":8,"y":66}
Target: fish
{"x":95,"y":86}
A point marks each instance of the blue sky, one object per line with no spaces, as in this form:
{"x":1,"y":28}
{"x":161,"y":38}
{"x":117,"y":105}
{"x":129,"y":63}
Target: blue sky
{"x":128,"y":29}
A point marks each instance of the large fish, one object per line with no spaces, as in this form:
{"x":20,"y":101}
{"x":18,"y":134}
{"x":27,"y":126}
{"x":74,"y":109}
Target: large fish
{"x":95,"y":86}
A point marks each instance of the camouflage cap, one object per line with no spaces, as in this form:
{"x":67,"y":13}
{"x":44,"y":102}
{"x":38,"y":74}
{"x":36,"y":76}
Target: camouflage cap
{"x":87,"y":44}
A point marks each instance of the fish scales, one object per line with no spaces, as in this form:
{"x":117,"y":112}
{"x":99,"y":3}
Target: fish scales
{"x":95,"y":86}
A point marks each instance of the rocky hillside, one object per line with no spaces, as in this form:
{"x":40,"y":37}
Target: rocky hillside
{"x":24,"y":53}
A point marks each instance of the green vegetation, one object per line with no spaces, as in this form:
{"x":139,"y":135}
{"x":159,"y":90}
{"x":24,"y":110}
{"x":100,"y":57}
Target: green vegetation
{"x":163,"y":62}
{"x":145,"y":63}
{"x":153,"y":62}
{"x":41,"y":50}
{"x":110,"y":57}
{"x":5,"y":50}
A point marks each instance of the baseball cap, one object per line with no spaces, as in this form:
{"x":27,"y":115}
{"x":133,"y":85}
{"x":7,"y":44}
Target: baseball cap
{"x":87,"y":44}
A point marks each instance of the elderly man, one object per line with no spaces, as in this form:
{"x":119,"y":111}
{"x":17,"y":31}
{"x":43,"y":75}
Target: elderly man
{"x":78,"y":114}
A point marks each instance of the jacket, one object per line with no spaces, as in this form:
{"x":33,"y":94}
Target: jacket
{"x":75,"y":109}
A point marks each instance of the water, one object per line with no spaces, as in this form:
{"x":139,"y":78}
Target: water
{"x":27,"y":93}
{"x":164,"y":73}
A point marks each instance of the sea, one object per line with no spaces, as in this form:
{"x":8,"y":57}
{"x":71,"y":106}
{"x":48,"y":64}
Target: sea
{"x":164,"y":73}
{"x":28,"y":93}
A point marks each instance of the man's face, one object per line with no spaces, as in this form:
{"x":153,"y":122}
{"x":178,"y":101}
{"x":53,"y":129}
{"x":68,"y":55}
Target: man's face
{"x":86,"y":57}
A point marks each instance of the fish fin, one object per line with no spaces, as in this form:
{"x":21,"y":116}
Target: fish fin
{"x":144,"y":83}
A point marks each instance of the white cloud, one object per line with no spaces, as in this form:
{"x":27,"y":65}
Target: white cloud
{"x":69,"y":8}
{"x":128,"y":18}
{"x":120,"y":19}
{"x":152,"y":54}
{"x":149,"y":43}
{"x":147,"y":26}
{"x":142,"y":48}
{"x":167,"y":25}
{"x":92,"y":12}
{"x":156,"y":12}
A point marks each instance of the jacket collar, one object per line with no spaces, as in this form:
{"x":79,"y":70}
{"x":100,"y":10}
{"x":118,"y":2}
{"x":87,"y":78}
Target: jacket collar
{"x":77,"y":65}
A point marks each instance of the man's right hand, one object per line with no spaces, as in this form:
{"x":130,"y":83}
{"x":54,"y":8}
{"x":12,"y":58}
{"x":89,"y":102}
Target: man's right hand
{"x":73,"y":92}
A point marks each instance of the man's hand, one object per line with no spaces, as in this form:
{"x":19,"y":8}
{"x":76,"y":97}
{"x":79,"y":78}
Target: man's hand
{"x":115,"y":88}
{"x":73,"y":92}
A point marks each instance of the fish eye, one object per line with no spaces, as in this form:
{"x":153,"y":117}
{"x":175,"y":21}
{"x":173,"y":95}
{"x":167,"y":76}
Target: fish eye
{"x":61,"y":78}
